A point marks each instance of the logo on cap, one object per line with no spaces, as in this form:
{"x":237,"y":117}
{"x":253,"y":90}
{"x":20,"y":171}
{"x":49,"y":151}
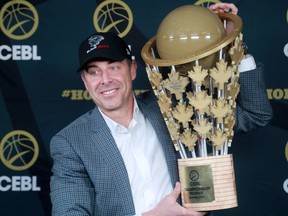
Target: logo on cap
{"x":94,"y":41}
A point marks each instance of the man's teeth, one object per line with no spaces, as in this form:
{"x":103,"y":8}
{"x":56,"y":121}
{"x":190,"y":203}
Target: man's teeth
{"x":109,"y":92}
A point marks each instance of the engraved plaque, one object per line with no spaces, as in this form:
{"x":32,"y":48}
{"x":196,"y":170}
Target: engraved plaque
{"x":197,"y":184}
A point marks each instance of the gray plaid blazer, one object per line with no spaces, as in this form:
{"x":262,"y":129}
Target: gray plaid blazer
{"x":89,"y":174}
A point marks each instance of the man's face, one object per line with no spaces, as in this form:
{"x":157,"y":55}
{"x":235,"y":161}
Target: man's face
{"x":110,"y":83}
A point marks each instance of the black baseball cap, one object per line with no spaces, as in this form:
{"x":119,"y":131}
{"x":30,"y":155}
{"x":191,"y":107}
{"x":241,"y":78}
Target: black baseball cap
{"x":104,"y":45}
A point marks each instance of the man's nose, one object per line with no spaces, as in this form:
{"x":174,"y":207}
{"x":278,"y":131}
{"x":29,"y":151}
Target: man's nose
{"x":106,"y":78}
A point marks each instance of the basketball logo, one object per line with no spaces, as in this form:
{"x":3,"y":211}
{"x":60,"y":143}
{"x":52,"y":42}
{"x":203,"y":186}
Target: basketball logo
{"x":206,"y":3}
{"x":285,"y":50}
{"x":19,"y":150}
{"x":194,"y":175}
{"x":18,"y":19}
{"x":286,"y":151}
{"x":113,"y":15}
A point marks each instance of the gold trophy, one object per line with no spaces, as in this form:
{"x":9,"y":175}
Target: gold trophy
{"x":192,"y":65}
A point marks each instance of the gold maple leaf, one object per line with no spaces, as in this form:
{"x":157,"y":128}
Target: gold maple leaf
{"x":228,"y":128}
{"x":165,"y":104}
{"x":218,"y":139}
{"x":155,"y":79}
{"x":173,"y":129}
{"x":236,"y":52}
{"x":197,"y":74}
{"x":233,"y":89}
{"x":220,"y":109}
{"x":229,"y":123}
{"x":183,"y":114}
{"x":201,"y":101}
{"x":189,"y":139}
{"x":202,"y":127}
{"x":176,"y":84}
{"x":221,"y":74}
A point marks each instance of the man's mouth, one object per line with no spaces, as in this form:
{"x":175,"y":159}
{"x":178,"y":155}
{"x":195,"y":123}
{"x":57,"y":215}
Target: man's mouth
{"x":109,"y":92}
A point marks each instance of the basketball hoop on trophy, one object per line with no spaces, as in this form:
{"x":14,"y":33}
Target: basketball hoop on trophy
{"x":192,"y":65}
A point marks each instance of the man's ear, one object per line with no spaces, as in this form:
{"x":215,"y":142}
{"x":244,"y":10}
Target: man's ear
{"x":83,"y":79}
{"x":133,"y":70}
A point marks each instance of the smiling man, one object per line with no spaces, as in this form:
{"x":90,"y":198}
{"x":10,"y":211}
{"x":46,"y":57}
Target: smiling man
{"x":118,"y":159}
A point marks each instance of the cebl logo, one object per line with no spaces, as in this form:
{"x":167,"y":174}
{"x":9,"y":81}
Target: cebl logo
{"x":18,"y":151}
{"x":19,"y":52}
{"x":19,"y":20}
{"x":285,"y":184}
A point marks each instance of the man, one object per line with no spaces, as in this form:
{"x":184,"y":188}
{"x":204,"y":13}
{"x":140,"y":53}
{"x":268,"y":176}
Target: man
{"x":118,"y":159}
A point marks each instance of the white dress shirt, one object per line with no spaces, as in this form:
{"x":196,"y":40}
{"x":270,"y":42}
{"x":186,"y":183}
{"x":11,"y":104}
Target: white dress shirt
{"x":247,"y":63}
{"x":144,"y":159}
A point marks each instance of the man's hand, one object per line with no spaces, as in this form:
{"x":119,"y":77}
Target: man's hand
{"x":168,"y":206}
{"x":225,"y":8}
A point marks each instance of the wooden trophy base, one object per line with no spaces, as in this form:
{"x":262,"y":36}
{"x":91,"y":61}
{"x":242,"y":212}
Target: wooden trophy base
{"x":208,"y":183}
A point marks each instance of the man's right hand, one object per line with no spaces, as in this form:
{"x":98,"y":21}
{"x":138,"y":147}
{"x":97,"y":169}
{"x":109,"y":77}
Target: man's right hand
{"x":168,"y":206}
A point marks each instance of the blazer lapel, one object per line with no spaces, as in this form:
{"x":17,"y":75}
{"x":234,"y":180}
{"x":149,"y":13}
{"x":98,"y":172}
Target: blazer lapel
{"x":109,"y":150}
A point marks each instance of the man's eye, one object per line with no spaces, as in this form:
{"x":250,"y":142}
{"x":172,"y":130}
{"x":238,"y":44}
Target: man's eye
{"x":113,"y":68}
{"x":93,"y":72}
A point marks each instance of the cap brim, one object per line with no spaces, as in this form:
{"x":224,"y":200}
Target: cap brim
{"x":102,"y":57}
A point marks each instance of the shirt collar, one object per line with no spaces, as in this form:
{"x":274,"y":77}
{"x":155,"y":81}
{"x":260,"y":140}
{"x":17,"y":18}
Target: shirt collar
{"x":118,"y":128}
